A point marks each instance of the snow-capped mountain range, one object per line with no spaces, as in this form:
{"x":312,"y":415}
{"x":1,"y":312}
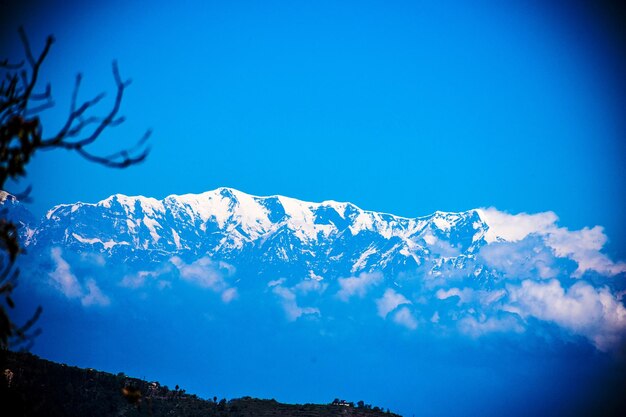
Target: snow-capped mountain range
{"x":318,"y":239}
{"x":479,"y":271}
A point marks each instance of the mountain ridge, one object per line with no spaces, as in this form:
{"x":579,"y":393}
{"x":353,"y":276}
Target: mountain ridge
{"x":228,"y":223}
{"x":235,"y":191}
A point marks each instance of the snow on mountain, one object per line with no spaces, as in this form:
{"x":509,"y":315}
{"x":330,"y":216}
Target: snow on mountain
{"x":289,"y":237}
{"x":307,"y":256}
{"x":12,"y":210}
{"x":231,"y":225}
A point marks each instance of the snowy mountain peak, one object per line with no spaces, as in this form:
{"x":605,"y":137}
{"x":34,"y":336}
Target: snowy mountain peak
{"x":230,"y":224}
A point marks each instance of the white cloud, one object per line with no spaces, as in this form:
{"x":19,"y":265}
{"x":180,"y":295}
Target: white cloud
{"x":206,"y":273}
{"x":405,"y":318}
{"x":69,"y":285}
{"x":63,"y":277}
{"x":276,"y":282}
{"x":310,"y":285}
{"x":435,"y":317}
{"x":358,"y":286}
{"x":464,"y":295}
{"x":160,"y":277}
{"x":289,"y":296}
{"x":582,"y":246}
{"x":230,"y":269}
{"x":290,"y":305}
{"x":137,"y":280}
{"x":202,"y":272}
{"x":440,"y":247}
{"x":229,"y":295}
{"x":522,"y":259}
{"x":514,"y":227}
{"x":469,"y":295}
{"x":389,"y":302}
{"x":582,"y":309}
{"x":392,"y":301}
{"x":94,"y":295}
{"x":473,"y":327}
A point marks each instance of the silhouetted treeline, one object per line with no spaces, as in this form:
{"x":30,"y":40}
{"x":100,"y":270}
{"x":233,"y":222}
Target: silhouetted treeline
{"x":31,"y":386}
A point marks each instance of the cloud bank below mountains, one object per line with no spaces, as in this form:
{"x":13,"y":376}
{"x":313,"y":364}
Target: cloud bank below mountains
{"x":540,"y":272}
{"x":530,"y":272}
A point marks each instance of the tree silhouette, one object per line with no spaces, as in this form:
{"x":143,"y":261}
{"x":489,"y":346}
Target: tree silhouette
{"x":22,"y":135}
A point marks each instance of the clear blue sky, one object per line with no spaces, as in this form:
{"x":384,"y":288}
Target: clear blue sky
{"x":406,"y":108}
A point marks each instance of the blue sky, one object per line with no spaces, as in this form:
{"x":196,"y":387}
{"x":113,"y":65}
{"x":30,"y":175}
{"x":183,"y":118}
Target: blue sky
{"x":405,"y":108}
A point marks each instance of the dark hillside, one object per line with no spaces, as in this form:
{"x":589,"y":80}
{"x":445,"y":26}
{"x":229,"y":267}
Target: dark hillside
{"x":31,"y":386}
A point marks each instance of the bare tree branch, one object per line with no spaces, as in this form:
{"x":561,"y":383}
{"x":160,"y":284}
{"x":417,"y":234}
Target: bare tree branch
{"x":39,"y":109}
{"x":35,"y":64}
{"x":21,"y":137}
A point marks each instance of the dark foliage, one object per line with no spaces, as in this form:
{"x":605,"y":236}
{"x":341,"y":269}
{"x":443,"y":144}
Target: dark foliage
{"x":37,"y":387}
{"x":22,"y":135}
